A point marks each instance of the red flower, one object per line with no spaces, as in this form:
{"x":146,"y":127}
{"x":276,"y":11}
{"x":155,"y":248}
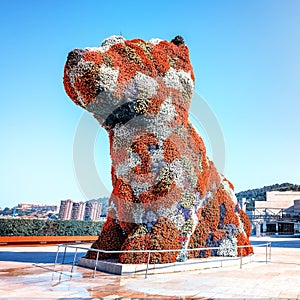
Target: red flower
{"x":246,"y":222}
{"x":170,"y":151}
{"x":111,"y":238}
{"x":242,"y":240}
{"x":93,"y":56}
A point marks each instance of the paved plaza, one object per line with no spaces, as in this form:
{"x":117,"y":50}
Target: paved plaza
{"x":28,"y":273}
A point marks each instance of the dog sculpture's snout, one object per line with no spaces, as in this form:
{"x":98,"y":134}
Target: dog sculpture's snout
{"x":72,"y":75}
{"x":74,"y":57}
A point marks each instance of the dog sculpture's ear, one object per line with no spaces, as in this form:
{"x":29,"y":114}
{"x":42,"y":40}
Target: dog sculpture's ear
{"x":178,"y":40}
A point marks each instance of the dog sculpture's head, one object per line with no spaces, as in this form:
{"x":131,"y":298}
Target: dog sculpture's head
{"x":123,"y":79}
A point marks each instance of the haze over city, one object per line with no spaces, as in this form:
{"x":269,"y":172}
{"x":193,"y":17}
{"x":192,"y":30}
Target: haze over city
{"x":246,"y":62}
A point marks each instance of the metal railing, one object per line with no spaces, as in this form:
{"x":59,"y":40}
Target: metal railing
{"x":267,"y":245}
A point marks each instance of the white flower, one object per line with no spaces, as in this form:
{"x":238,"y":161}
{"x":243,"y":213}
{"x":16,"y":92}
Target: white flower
{"x":195,"y":218}
{"x":155,"y":41}
{"x":167,"y":110}
{"x":178,"y":171}
{"x":134,"y":159}
{"x":108,"y":78}
{"x":125,"y":169}
{"x":160,"y":129}
{"x":157,"y":160}
{"x":225,"y":185}
{"x":173,"y":214}
{"x":107,"y":43}
{"x":228,"y":247}
{"x":172,"y":79}
{"x":186,"y":81}
{"x":131,"y":91}
{"x":241,"y":225}
{"x":145,"y":85}
{"x":138,"y":213}
{"x":139,"y":188}
{"x":189,"y":172}
{"x":123,"y":134}
{"x":178,"y":220}
{"x":158,"y":123}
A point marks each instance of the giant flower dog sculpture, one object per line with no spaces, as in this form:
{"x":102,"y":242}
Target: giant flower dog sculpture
{"x":166,"y":193}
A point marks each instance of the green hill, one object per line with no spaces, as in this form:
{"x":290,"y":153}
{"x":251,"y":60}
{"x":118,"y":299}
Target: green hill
{"x":259,"y":194}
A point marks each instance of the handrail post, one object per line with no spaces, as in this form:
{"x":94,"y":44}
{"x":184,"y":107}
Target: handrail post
{"x":96,"y":264}
{"x":241,"y":261}
{"x":74,"y":259}
{"x":148,"y":261}
{"x":63,"y":260}
{"x":270,"y":251}
{"x":56,"y":257}
{"x":266,"y":253}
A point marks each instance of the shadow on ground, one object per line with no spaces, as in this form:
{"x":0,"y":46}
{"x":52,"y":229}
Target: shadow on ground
{"x":49,"y":257}
{"x":37,"y":257}
{"x":291,"y":243}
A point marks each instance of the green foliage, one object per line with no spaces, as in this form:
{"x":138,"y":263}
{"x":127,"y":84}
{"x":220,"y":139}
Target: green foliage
{"x":23,"y":227}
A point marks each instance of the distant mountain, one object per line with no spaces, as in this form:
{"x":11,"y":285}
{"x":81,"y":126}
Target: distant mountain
{"x":259,"y":194}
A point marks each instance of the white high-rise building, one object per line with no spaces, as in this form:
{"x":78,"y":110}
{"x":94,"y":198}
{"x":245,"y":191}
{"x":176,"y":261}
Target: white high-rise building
{"x":70,"y":210}
{"x":93,"y":211}
{"x":65,"y":210}
{"x":78,"y":211}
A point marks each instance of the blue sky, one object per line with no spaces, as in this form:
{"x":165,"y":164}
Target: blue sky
{"x":246,"y":61}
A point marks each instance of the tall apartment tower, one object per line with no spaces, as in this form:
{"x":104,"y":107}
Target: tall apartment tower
{"x":78,"y":211}
{"x":65,"y":210}
{"x":92,"y":211}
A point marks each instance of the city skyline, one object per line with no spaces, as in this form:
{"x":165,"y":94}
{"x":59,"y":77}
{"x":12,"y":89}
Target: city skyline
{"x":245,"y":59}
{"x":71,"y":210}
{"x":55,"y":203}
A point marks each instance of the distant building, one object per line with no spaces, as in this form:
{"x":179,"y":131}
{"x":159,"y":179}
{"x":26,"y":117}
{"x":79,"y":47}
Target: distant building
{"x":78,"y":210}
{"x":279,"y":214}
{"x":92,"y":211}
{"x":70,"y":210}
{"x":26,"y":206}
{"x":65,"y":210}
{"x":276,"y":201}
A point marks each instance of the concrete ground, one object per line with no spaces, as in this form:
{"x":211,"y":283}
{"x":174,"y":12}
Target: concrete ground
{"x":27,"y":273}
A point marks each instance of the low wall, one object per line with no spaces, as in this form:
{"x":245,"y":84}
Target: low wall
{"x":113,"y":267}
{"x":38,"y":240}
